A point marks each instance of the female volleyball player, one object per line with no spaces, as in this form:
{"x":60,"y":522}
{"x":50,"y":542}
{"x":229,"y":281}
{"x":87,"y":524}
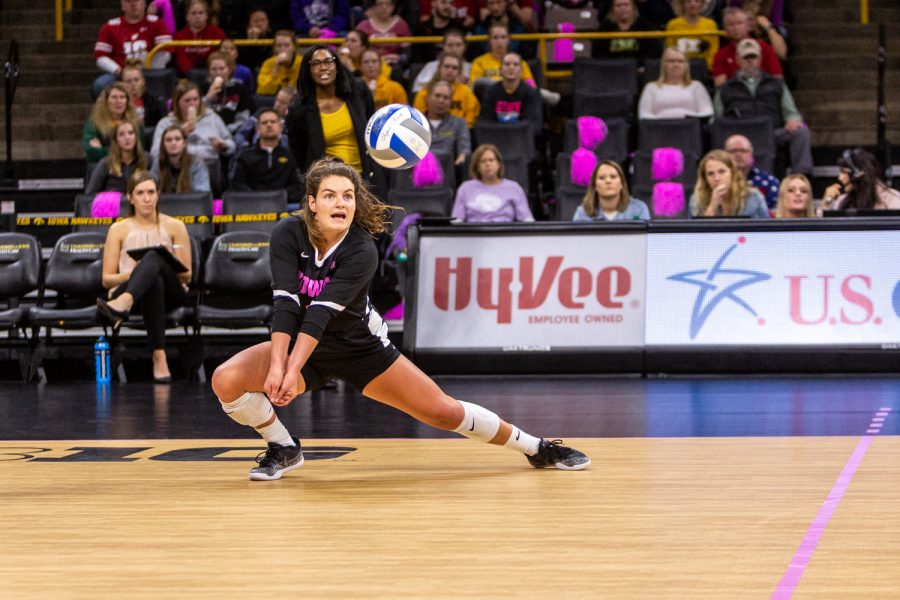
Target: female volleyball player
{"x":323,"y":260}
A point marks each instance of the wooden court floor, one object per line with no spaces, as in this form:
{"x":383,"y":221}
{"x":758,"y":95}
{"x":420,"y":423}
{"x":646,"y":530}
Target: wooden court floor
{"x":655,"y":517}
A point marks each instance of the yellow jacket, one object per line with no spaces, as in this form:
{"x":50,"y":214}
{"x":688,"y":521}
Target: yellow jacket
{"x":488,"y":66}
{"x":463,"y":103}
{"x":387,"y":91}
{"x":272,"y":79}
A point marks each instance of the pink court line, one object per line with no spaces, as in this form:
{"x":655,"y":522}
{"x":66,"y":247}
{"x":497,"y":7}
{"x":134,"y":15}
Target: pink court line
{"x":873,"y":431}
{"x":795,"y":570}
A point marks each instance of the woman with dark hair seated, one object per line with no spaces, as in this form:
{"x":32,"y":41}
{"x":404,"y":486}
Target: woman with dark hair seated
{"x":151,"y":283}
{"x":125,"y":157}
{"x":331,"y":117}
{"x":175,"y":170}
{"x":859,"y":185}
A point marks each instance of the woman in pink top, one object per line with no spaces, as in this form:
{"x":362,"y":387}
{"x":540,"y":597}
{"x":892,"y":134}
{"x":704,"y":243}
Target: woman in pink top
{"x":150,"y":284}
{"x":384,"y":23}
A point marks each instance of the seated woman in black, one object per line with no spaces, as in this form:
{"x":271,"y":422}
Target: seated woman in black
{"x":151,"y":283}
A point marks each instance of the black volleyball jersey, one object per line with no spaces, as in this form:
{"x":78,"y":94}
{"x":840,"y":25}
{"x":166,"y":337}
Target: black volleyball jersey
{"x":327,"y":295}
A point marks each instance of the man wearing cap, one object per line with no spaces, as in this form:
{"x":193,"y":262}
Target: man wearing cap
{"x":754,"y":93}
{"x":737,"y":25}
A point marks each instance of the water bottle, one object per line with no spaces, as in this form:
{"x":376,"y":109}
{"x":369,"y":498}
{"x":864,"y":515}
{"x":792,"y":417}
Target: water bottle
{"x":101,"y":360}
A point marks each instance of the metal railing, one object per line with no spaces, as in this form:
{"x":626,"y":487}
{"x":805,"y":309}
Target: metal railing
{"x":63,"y":7}
{"x":541,"y":38}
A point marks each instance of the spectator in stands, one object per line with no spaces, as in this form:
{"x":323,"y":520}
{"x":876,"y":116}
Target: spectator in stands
{"x":608,"y":199}
{"x":621,"y":18}
{"x":513,"y":13}
{"x":175,"y":170}
{"x":674,"y":95}
{"x":860,"y":185}
{"x":208,"y":137}
{"x":487,"y":66}
{"x":449,"y":134}
{"x":149,"y":108}
{"x":439,"y":23}
{"x":656,"y":12}
{"x":511,"y":100}
{"x":763,"y":29}
{"x":110,"y":108}
{"x":131,"y":35}
{"x":282,"y":68}
{"x":385,"y":24}
{"x":488,"y":197}
{"x":125,"y":157}
{"x":737,"y":25}
{"x":683,"y":32}
{"x":225,"y":95}
{"x":247,"y":134}
{"x":740,"y":148}
{"x":331,"y":117}
{"x":795,"y":199}
{"x":310,"y":17}
{"x":267,"y":165}
{"x":151,"y":284}
{"x":258,"y":28}
{"x":753,"y":92}
{"x":241,"y":72}
{"x":463,"y":11}
{"x":355,"y":43}
{"x":455,"y":44}
{"x":722,"y":190}
{"x":198,"y":28}
{"x":464,"y":103}
{"x":384,"y":89}
{"x":507,"y":13}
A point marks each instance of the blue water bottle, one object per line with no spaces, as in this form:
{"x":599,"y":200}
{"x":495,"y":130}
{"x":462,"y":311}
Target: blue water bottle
{"x":101,"y":360}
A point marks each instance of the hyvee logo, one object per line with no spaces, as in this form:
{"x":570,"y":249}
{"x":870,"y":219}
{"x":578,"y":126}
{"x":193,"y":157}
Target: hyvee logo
{"x":575,"y":286}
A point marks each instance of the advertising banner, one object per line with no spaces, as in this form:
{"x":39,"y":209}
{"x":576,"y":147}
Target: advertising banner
{"x":773,"y":288}
{"x":530,"y":292}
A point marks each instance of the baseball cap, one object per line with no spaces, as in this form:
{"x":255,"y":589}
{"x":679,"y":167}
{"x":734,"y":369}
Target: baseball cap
{"x":748,"y":47}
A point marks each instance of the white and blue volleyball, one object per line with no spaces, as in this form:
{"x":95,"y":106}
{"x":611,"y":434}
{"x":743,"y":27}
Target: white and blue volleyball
{"x":398,"y":136}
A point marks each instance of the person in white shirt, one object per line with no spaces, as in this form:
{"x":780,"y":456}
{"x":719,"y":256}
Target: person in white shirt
{"x":674,"y":95}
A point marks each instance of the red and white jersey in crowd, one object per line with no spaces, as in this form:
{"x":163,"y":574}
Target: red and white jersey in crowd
{"x":121,"y":40}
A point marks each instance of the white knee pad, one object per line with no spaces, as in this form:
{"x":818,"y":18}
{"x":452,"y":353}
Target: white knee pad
{"x":252,"y":409}
{"x":478,"y":423}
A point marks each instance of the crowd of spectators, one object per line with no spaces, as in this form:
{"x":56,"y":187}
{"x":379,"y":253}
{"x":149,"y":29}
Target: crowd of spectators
{"x":251,"y":117}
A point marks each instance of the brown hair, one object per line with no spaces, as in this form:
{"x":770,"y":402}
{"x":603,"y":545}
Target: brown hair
{"x":591,"y":201}
{"x":136,"y":179}
{"x":220,"y":55}
{"x":371,"y":214}
{"x":737,"y":195}
{"x":114,"y":162}
{"x":167,"y":182}
{"x":476,"y":158}
{"x":781,"y":211}
{"x":183,"y":87}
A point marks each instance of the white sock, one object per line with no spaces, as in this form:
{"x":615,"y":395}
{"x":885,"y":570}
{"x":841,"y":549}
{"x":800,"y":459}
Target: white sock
{"x":276,"y":433}
{"x":521,"y":441}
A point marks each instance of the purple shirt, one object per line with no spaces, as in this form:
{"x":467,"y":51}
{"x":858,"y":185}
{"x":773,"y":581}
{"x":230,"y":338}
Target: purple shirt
{"x":501,"y":203}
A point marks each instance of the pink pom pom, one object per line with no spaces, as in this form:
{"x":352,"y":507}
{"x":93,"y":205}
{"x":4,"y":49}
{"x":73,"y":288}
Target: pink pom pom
{"x":566,"y":27}
{"x":667,"y":163}
{"x":582,"y":167}
{"x":217,"y":206}
{"x":394,"y":314}
{"x":668,"y":199}
{"x":427,"y":172}
{"x":165,"y":13}
{"x":591,"y":132}
{"x":563,"y":50}
{"x":106,"y":205}
{"x":326,"y":33}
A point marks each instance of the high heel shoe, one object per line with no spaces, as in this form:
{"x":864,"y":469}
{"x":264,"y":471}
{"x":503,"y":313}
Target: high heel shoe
{"x":166,"y":379}
{"x":107,"y":315}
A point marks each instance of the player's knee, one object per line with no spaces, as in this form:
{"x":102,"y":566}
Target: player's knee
{"x":223,"y":380}
{"x":448,"y":415}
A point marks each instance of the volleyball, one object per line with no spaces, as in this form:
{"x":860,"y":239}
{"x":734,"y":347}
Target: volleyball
{"x":398,"y":136}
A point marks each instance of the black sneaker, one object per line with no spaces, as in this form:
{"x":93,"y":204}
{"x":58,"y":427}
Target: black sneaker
{"x":554,"y":454}
{"x":276,"y":461}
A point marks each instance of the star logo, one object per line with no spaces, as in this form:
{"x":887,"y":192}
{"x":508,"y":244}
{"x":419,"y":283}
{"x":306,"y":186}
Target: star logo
{"x":717,"y":284}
